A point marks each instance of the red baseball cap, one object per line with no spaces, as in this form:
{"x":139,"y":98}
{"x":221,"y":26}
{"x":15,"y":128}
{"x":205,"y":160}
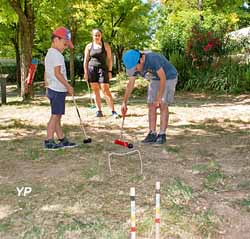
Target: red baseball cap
{"x":64,"y":33}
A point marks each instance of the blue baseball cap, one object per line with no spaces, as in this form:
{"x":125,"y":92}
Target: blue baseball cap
{"x":130,"y":60}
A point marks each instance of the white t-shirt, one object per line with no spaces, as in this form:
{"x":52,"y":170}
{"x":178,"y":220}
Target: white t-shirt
{"x":55,"y":58}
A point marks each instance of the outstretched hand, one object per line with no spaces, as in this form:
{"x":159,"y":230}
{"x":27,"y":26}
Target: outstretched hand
{"x":157,"y":103}
{"x":124,"y":109}
{"x":70,"y":90}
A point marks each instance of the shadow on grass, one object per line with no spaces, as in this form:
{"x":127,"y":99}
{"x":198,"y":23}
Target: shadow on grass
{"x":207,"y":132}
{"x":182,"y":99}
{"x":189,"y":99}
{"x":78,"y":191}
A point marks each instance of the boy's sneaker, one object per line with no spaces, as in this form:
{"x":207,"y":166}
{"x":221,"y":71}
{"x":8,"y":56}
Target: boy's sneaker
{"x":51,"y":145}
{"x":99,"y":113}
{"x":65,"y":143}
{"x":161,"y":139}
{"x":150,"y":138}
{"x":115,"y":115}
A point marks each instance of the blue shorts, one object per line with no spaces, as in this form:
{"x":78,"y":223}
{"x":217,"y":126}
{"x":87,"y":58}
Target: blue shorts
{"x":57,"y":101}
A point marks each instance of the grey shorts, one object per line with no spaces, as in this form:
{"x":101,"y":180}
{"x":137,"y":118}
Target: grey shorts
{"x":168,"y":95}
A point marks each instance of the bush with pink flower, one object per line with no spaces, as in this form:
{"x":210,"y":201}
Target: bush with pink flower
{"x":203,"y":46}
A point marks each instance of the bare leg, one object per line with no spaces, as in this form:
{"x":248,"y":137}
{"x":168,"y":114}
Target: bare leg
{"x":96,"y":89}
{"x":152,"y":117}
{"x":108,"y":96}
{"x":51,"y":129}
{"x":59,"y":131}
{"x":164,"y":117}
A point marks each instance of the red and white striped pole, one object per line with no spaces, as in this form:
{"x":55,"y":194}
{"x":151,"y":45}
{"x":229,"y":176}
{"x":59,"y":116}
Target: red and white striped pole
{"x":132,"y":218}
{"x":157,"y":210}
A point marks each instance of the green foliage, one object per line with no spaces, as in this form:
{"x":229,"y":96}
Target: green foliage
{"x":121,"y":81}
{"x":34,"y":232}
{"x":141,"y":86}
{"x":172,"y":28}
{"x":8,"y":25}
{"x":229,"y":77}
{"x":10,"y":69}
{"x":183,"y":67}
{"x":178,"y":193}
{"x":174,"y":20}
{"x":214,"y":180}
{"x":203,"y":46}
{"x":207,"y":223}
{"x":244,"y":204}
{"x":164,"y":27}
{"x":78,"y":68}
{"x":211,"y":166}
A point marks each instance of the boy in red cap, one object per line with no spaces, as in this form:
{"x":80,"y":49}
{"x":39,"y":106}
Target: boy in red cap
{"x":57,"y":85}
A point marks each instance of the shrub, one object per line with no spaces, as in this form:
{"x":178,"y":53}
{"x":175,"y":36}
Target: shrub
{"x":203,"y":46}
{"x":10,"y":69}
{"x":182,"y":66}
{"x":230,"y":77}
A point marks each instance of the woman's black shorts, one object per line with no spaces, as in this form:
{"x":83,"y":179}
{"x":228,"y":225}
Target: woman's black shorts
{"x":97,"y":75}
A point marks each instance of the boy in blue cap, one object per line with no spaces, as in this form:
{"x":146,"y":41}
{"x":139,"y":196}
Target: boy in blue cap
{"x":163,"y":79}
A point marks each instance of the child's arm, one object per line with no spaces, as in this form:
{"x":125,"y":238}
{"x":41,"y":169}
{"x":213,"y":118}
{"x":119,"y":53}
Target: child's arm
{"x":161,"y":74}
{"x":59,"y":76}
{"x":128,"y":91}
{"x":45,"y":80}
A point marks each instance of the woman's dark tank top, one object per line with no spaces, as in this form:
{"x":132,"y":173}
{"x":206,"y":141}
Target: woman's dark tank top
{"x":98,"y":57}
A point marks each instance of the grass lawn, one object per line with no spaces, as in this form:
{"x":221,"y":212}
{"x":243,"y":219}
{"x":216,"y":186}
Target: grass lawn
{"x":204,"y":170}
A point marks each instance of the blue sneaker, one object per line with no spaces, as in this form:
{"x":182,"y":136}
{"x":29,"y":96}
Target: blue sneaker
{"x":99,"y":113}
{"x":115,"y":115}
{"x":51,"y":145}
{"x":65,"y":143}
{"x":161,"y":139}
{"x":150,"y":138}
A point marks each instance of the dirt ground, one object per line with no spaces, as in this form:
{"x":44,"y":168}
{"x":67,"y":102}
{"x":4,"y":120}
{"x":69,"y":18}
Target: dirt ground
{"x":204,"y":170}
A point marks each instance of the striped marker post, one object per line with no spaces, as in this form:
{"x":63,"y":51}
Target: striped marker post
{"x":157,"y":210}
{"x":132,"y":219}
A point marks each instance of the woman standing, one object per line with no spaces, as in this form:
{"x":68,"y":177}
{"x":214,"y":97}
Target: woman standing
{"x":98,"y":70}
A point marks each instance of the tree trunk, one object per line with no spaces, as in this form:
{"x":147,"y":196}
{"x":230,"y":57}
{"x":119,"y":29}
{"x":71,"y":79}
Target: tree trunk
{"x":26,"y":55}
{"x":118,"y":54}
{"x":72,"y":67}
{"x":15,"y":41}
{"x":200,"y":5}
{"x":71,"y":59}
{"x":18,"y":66}
{"x":200,"y":8}
{"x":27,"y":28}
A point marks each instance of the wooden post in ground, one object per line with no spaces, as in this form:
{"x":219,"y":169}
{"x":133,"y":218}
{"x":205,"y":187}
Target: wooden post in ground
{"x":3,"y":78}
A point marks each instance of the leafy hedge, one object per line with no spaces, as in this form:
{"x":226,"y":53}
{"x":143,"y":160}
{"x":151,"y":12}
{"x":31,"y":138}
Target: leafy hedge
{"x":10,"y":68}
{"x":226,"y":75}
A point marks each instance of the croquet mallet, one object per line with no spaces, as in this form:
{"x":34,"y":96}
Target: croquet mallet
{"x":92,"y":105}
{"x":120,"y":141}
{"x":86,"y":139}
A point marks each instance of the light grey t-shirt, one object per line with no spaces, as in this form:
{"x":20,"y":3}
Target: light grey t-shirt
{"x":55,"y":58}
